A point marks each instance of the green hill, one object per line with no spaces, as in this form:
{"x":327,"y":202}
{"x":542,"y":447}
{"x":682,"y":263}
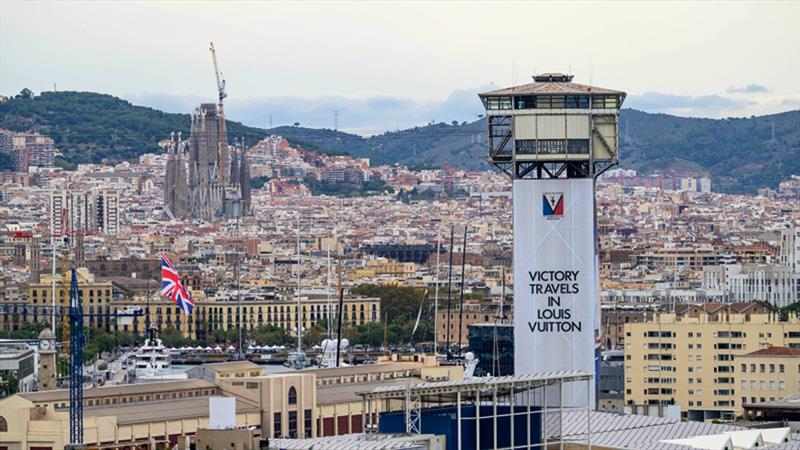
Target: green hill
{"x":740,"y":155}
{"x":434,"y":145}
{"x":96,"y":127}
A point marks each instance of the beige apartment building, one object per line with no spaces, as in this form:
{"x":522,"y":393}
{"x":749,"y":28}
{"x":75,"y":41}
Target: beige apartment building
{"x":690,"y":358}
{"x":768,"y":375}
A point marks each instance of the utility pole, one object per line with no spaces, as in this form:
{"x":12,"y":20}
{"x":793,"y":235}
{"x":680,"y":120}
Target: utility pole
{"x":449,"y":290}
{"x":53,"y":286}
{"x":341,"y":307}
{"x":328,"y":315}
{"x":237,"y":209}
{"x":461,"y":302}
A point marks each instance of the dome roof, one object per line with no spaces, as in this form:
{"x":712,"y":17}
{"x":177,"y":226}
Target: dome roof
{"x":46,"y":334}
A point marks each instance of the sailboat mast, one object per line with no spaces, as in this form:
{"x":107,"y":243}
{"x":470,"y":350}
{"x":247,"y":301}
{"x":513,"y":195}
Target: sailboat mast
{"x":436,"y":300}
{"x":299,"y":312}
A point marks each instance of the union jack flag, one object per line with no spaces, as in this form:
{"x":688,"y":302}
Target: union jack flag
{"x":172,"y":287}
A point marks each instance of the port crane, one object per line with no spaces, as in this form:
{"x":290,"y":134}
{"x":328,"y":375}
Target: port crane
{"x":75,"y":314}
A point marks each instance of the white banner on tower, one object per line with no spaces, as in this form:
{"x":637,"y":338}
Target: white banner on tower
{"x":555,"y":280}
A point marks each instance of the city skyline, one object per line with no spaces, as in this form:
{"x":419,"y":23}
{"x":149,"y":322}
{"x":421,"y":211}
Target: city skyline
{"x":295,"y":64}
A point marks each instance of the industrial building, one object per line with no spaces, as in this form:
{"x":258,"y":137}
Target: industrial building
{"x":153,"y":415}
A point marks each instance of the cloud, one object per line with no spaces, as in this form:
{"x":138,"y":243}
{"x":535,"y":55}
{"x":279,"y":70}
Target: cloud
{"x":704,"y":105}
{"x":749,"y":89}
{"x":365,"y":115}
{"x":791,"y":102}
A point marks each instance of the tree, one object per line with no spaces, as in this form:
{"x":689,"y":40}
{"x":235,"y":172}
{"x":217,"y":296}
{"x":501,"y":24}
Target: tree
{"x":8,"y":383}
{"x":171,"y":337}
{"x":25,"y":94}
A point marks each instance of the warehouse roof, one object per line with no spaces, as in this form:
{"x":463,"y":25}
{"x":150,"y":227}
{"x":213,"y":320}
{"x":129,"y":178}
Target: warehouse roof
{"x":144,"y":412}
{"x":126,"y":389}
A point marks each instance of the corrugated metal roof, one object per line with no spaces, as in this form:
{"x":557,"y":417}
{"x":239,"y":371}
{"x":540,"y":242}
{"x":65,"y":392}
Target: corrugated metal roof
{"x":629,"y":431}
{"x":485,"y":382}
{"x":355,"y":442}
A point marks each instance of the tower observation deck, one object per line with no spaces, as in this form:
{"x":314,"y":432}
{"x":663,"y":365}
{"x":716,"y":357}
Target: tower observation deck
{"x":553,"y":128}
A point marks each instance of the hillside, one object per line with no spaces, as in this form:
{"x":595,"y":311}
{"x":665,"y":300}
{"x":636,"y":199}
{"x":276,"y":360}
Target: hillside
{"x":433,"y":145}
{"x":740,"y":155}
{"x":95,"y":127}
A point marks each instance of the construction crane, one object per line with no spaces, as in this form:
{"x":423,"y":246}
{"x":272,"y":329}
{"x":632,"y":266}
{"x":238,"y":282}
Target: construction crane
{"x":222,"y":151}
{"x":76,"y":315}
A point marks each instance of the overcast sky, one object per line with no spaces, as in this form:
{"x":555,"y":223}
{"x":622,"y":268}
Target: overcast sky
{"x":388,"y":65}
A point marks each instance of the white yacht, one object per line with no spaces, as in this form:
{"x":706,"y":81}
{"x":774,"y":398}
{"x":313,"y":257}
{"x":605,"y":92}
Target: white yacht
{"x":152,"y":359}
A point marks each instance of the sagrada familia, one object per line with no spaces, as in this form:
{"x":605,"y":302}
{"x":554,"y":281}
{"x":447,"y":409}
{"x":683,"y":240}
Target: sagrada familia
{"x":205,"y":177}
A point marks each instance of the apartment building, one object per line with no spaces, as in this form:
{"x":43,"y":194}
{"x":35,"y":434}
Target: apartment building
{"x":773,"y":283}
{"x":674,"y":258}
{"x":97,"y":297}
{"x":689,"y":357}
{"x":790,"y":249}
{"x":767,"y":375}
{"x":383,"y":267}
{"x":75,"y":212}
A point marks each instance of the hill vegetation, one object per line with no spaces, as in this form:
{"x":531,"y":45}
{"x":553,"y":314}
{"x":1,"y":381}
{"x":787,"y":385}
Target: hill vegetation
{"x":740,"y":155}
{"x":91,"y":127}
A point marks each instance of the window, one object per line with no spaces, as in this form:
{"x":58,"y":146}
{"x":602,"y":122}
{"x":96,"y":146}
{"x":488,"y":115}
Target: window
{"x":292,"y":396}
{"x":3,"y":425}
{"x":498,"y":103}
{"x":293,"y":424}
{"x":276,"y":427}
{"x":307,"y":423}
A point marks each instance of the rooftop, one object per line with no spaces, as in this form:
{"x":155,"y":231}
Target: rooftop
{"x":363,"y":369}
{"x":480,"y":383}
{"x":126,"y":389}
{"x":174,"y":409}
{"x":337,"y":393}
{"x":229,"y":366}
{"x":552,"y":83}
{"x":776,"y":351}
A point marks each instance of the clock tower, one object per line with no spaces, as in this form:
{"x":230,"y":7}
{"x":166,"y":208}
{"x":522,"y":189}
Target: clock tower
{"x":47,"y":360}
